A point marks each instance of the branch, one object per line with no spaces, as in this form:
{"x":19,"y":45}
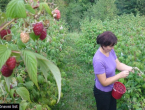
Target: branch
{"x":7,"y":24}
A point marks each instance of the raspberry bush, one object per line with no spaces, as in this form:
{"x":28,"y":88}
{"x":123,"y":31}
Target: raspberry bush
{"x":31,"y":41}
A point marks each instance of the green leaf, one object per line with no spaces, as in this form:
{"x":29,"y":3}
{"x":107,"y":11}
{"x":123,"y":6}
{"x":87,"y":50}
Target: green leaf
{"x":30,"y":9}
{"x":16,"y":9}
{"x":3,"y":18}
{"x":46,"y":7}
{"x":31,"y":65}
{"x":8,"y":81}
{"x":54,"y":70}
{"x":29,"y":85}
{"x":20,"y":44}
{"x":43,"y":68}
{"x":4,"y":55}
{"x":38,"y":107}
{"x":33,"y":36}
{"x":121,"y":80}
{"x":13,"y":47}
{"x":19,"y":78}
{"x":23,"y":105}
{"x":12,"y":93}
{"x":24,"y":93}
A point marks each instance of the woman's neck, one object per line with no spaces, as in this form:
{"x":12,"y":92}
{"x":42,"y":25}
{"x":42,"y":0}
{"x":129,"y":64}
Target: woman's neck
{"x":104,"y":52}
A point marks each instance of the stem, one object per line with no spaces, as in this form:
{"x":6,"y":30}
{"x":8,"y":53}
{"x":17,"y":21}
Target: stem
{"x":7,"y":24}
{"x":5,"y":98}
{"x":16,"y":52}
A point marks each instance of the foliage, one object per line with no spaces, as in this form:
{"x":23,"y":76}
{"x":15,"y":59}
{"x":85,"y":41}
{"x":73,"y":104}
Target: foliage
{"x":74,"y":9}
{"x":102,"y":9}
{"x":129,"y":50}
{"x":3,"y":4}
{"x":126,"y":6}
{"x":140,"y":5}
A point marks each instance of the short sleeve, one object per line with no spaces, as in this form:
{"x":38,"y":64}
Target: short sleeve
{"x":98,"y":66}
{"x":114,"y":54}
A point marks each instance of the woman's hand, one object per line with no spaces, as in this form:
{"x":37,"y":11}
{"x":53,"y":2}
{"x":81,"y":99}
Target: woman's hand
{"x":124,"y":74}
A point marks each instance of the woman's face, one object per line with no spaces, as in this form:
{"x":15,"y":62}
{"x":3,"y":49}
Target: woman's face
{"x":108,"y":48}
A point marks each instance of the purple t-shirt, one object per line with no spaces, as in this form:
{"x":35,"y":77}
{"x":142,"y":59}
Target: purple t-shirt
{"x":103,"y":64}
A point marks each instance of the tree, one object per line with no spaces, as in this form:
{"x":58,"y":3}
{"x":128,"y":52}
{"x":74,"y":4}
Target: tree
{"x":127,"y":6}
{"x":140,"y":6}
{"x":102,"y":9}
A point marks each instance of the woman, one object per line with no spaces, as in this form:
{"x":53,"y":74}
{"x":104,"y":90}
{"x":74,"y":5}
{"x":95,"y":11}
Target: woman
{"x":105,"y":63}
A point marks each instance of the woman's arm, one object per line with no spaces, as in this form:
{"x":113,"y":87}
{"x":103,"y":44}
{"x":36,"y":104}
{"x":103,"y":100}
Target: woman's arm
{"x":122,"y":66}
{"x":107,"y":81}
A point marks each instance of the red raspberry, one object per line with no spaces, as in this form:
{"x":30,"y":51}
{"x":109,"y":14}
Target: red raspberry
{"x":58,"y":14}
{"x":38,"y":28}
{"x":6,"y":71}
{"x":11,"y":63}
{"x":43,"y":34}
{"x":11,"y":87}
{"x":4,"y":32}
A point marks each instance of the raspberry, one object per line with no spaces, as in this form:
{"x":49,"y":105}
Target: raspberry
{"x":24,"y":37}
{"x":6,"y":71}
{"x":4,"y":32}
{"x":11,"y":63}
{"x":11,"y":87}
{"x":57,"y":12}
{"x":43,"y":34}
{"x":38,"y":28}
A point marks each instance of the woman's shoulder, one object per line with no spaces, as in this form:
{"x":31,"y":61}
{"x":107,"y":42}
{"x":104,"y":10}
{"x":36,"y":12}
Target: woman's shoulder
{"x":98,"y":58}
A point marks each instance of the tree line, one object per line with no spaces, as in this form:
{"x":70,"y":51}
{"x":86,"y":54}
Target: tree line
{"x":74,"y":11}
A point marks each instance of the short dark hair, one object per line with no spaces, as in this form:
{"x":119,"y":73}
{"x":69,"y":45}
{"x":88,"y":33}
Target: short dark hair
{"x":107,"y":38}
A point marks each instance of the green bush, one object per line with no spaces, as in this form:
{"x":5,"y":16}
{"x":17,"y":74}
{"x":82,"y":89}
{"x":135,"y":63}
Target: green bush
{"x":129,"y":50}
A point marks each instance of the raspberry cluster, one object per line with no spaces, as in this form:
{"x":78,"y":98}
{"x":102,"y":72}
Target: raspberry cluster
{"x":5,"y":32}
{"x":39,"y":30}
{"x":7,"y":68}
{"x":56,"y":14}
{"x":119,"y":88}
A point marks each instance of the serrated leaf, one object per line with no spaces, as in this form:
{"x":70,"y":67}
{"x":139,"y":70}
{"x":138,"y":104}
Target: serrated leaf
{"x":38,"y":107}
{"x":54,"y":70}
{"x":23,"y":93}
{"x":46,"y":7}
{"x":4,"y":55}
{"x":31,"y":65}
{"x":23,"y":105}
{"x":33,"y":36}
{"x":16,"y":9}
{"x":30,"y":9}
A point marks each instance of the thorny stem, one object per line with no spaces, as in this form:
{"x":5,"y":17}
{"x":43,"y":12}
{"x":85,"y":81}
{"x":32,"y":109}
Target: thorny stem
{"x":7,"y":24}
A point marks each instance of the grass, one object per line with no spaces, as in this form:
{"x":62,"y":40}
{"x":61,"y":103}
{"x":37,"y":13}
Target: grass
{"x":79,"y":95}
